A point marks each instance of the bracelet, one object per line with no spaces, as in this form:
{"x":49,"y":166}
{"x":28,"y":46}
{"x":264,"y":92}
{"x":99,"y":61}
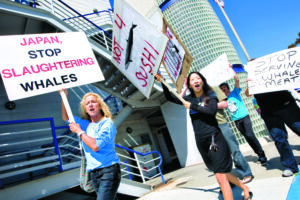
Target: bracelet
{"x":80,"y":133}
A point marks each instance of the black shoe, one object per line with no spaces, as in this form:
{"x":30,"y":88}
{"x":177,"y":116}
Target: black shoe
{"x":249,"y":197}
{"x":231,"y":185}
{"x":263,"y":161}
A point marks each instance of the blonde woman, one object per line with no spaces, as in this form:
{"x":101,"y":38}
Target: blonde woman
{"x":97,"y":132}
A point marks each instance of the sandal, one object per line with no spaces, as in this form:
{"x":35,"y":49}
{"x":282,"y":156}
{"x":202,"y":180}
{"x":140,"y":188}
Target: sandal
{"x":249,"y":197}
{"x":247,"y":179}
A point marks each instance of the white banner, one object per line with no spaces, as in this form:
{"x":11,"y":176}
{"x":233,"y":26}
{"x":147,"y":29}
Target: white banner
{"x":138,"y":46}
{"x":274,"y":72}
{"x":218,"y":71}
{"x":42,"y":63}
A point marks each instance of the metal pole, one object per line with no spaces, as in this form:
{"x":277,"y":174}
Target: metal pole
{"x":67,"y":106}
{"x":139,"y":166}
{"x":234,"y":32}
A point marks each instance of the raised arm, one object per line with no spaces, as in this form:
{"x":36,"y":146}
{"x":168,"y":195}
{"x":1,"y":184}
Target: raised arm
{"x":236,"y":78}
{"x":169,"y":96}
{"x":182,"y":94}
{"x":247,"y":89}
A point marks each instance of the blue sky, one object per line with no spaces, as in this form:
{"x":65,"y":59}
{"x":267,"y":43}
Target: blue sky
{"x":264,"y":26}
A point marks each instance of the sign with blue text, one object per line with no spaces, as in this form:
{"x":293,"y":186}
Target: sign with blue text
{"x":274,"y":72}
{"x":41,"y":63}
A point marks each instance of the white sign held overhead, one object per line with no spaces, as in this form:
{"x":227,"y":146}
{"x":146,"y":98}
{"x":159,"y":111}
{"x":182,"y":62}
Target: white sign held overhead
{"x":274,"y":72}
{"x":218,"y":71}
{"x":41,"y":63}
{"x":138,"y":46}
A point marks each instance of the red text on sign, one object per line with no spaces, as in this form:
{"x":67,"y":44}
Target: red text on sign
{"x":121,"y":22}
{"x":148,"y":56}
{"x":117,"y":51}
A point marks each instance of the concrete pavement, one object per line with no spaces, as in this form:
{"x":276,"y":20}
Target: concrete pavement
{"x":196,"y":182}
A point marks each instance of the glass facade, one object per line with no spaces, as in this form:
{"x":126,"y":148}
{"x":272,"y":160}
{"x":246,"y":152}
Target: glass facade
{"x":202,"y":33}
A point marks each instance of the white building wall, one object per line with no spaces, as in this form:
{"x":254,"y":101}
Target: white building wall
{"x":139,"y":127}
{"x":163,"y":149}
{"x":181,"y":131}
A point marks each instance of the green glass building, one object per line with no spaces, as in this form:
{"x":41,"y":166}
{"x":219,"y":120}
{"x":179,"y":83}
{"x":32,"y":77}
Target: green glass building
{"x":203,"y":34}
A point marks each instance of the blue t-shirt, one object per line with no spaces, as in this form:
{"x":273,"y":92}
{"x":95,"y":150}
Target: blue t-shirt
{"x":104,"y":132}
{"x":236,"y":107}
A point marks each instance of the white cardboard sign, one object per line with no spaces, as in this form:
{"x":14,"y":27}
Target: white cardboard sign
{"x":274,"y":72}
{"x":218,"y":71}
{"x":138,"y":46}
{"x":41,"y":63}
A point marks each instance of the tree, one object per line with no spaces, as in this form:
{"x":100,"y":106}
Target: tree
{"x":296,"y":42}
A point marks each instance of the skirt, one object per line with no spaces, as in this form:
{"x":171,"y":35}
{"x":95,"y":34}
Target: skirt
{"x":219,"y":161}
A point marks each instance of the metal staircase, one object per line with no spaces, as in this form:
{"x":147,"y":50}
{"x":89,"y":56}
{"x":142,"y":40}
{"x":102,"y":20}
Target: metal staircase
{"x":50,"y":162}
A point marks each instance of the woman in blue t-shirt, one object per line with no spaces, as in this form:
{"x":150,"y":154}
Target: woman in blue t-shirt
{"x":202,"y":103}
{"x":97,"y":132}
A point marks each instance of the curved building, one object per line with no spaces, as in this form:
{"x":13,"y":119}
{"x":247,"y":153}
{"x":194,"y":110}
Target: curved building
{"x":202,"y":33}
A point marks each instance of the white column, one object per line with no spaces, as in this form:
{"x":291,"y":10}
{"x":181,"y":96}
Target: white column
{"x":182,"y":133}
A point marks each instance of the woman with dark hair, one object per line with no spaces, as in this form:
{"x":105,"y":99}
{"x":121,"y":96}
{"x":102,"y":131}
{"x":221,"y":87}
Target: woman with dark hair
{"x":97,"y":132}
{"x":202,"y":103}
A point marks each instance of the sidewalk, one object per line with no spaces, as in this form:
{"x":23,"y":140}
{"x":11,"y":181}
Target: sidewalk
{"x":196,"y":182}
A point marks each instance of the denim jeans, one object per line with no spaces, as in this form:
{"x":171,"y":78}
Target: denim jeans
{"x":106,"y":182}
{"x":275,"y":121}
{"x":244,"y":125}
{"x":241,"y":165}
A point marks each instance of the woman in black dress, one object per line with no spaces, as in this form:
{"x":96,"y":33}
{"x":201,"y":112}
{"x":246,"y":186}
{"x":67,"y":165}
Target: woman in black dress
{"x":202,"y":102}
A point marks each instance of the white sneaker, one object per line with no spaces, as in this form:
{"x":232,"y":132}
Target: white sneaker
{"x":287,"y":172}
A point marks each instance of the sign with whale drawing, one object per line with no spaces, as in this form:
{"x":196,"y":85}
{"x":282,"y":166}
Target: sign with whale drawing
{"x":274,"y":72}
{"x":138,"y":46}
{"x":177,"y":58}
{"x":41,"y":63}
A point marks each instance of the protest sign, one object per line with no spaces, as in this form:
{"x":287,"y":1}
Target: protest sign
{"x":138,"y":46}
{"x":41,"y":63}
{"x":218,"y":71}
{"x":274,"y":72}
{"x":177,"y":59}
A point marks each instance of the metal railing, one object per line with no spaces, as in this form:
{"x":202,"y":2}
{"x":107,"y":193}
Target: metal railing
{"x":23,"y":151}
{"x":138,"y":167}
{"x":93,"y":24}
{"x":63,"y":153}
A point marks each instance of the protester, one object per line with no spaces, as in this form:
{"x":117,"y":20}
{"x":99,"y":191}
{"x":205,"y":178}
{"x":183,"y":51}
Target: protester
{"x":240,"y":163}
{"x":241,"y":118}
{"x":296,"y":94}
{"x":202,"y":102}
{"x":97,"y":132}
{"x":277,"y":110}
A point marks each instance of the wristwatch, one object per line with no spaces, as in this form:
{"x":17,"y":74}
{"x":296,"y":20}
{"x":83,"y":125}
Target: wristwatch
{"x":80,"y":133}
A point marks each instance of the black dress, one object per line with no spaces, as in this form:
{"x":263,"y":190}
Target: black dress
{"x":205,"y":126}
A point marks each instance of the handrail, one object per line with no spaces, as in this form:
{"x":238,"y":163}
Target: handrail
{"x":65,"y":4}
{"x":89,"y":14}
{"x":72,"y":154}
{"x":145,"y":154}
{"x":40,"y":120}
{"x":80,"y":22}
